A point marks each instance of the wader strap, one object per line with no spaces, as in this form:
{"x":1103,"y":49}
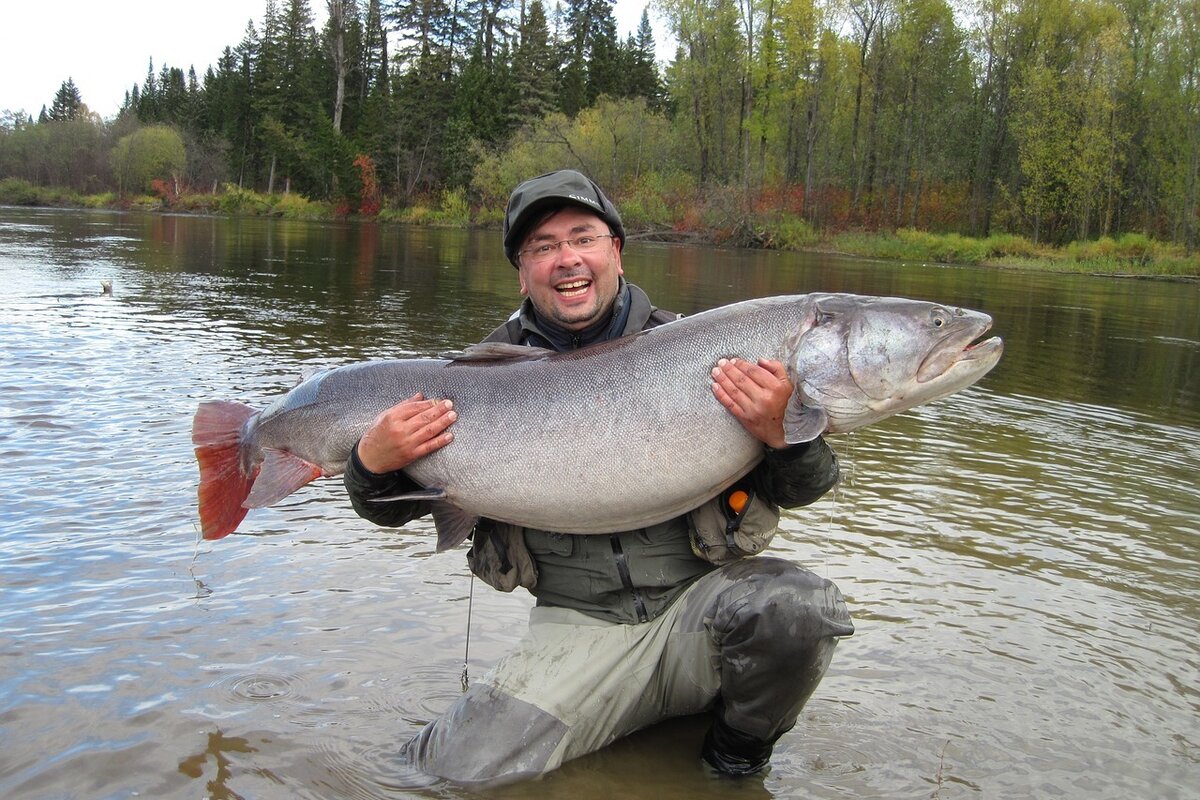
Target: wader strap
{"x":734,"y":518}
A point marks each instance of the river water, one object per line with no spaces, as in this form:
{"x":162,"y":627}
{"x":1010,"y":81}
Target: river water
{"x":1020,"y":559}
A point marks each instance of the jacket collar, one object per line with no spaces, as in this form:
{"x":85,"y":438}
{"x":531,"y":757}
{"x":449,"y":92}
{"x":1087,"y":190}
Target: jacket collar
{"x":630,"y":312}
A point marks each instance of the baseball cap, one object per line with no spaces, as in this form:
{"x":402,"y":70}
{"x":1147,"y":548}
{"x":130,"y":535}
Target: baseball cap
{"x":539,"y":195}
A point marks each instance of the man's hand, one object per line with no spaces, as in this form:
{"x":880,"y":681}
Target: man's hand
{"x":405,"y":432}
{"x":756,"y":394}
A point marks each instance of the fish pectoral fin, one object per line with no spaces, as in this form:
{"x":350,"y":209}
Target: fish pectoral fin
{"x":803,"y":423}
{"x":281,"y":474}
{"x":420,"y":494}
{"x":497,"y":351}
{"x":453,"y":525}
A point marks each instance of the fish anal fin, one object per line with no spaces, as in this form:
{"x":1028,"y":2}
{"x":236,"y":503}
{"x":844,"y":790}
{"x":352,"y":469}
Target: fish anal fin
{"x":453,"y":525}
{"x":281,"y":474}
{"x":224,"y":485}
{"x":803,"y":423}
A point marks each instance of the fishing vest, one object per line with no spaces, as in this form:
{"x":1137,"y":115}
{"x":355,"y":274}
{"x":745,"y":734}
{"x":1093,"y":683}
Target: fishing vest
{"x":734,"y":524}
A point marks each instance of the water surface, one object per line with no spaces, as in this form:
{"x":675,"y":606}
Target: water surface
{"x":1020,"y":559}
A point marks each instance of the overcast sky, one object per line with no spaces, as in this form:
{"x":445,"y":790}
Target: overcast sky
{"x":106,"y":47}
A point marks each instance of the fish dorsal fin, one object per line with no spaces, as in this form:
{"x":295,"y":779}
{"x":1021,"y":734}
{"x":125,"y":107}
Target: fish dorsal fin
{"x":803,"y":423}
{"x":497,"y":351}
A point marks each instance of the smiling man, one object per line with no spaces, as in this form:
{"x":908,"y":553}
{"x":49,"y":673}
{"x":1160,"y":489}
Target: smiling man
{"x":631,"y":627}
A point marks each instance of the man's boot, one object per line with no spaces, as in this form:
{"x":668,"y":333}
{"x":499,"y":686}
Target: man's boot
{"x":731,"y":752}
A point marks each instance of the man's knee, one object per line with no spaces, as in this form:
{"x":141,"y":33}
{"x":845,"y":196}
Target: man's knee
{"x":782,"y":603}
{"x":488,"y":738}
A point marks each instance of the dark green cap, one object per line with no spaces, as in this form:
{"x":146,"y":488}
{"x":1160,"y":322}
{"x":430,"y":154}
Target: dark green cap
{"x":540,"y":195}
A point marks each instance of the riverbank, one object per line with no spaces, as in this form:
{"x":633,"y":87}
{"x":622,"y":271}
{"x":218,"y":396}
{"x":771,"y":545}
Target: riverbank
{"x":1129,"y":255}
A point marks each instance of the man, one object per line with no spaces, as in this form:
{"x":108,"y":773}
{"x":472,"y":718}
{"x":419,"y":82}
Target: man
{"x":636,"y":626}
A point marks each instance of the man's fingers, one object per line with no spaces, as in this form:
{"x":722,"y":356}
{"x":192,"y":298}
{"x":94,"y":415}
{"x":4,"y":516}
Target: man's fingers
{"x":436,"y":442}
{"x":777,"y":370}
{"x":405,"y":432}
{"x":750,"y":378}
{"x":417,"y":405}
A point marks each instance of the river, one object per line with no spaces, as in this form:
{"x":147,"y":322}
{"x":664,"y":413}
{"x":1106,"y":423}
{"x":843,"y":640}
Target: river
{"x":1020,"y":559}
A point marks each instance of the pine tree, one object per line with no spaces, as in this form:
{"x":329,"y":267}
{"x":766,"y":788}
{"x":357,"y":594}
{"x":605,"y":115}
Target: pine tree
{"x":534,"y":67}
{"x":642,"y":78}
{"x":67,"y":102}
{"x":605,"y":66}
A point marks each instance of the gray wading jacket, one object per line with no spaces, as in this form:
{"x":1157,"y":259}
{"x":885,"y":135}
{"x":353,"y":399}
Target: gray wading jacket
{"x":629,"y":576}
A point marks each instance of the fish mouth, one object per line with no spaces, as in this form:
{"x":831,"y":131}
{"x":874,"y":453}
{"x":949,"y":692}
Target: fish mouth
{"x":964,"y":352}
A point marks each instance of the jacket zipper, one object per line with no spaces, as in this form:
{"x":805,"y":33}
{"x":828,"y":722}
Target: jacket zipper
{"x":639,"y":604}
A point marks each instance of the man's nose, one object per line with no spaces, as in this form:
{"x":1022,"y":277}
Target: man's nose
{"x":567,"y":255}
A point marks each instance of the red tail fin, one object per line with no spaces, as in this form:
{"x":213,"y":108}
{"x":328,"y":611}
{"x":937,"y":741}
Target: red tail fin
{"x":224,"y":486}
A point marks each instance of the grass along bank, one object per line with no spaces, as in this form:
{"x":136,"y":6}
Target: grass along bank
{"x":1131,"y":254}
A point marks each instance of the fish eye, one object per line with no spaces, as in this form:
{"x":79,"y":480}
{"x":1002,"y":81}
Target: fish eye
{"x":939,"y":318}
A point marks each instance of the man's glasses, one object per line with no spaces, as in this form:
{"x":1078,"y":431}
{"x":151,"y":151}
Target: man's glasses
{"x":546,"y":252}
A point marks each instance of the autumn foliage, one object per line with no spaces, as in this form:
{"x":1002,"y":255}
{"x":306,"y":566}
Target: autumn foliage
{"x":370,"y":200}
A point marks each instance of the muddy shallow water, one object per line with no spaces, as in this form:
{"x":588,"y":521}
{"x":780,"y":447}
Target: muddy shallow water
{"x":1020,"y":559}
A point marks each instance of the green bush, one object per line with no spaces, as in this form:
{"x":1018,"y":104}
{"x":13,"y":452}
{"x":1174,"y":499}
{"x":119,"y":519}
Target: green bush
{"x":794,"y":233}
{"x":490,"y":217}
{"x":454,"y":209}
{"x":294,"y":206}
{"x":199,"y":203}
{"x":236,"y":200}
{"x":104,"y":200}
{"x":1010,"y":244}
{"x":16,"y":192}
{"x":942,"y":247}
{"x":653,"y":201}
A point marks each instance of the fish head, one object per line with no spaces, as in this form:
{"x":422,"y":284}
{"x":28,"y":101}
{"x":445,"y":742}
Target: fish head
{"x":857,"y":360}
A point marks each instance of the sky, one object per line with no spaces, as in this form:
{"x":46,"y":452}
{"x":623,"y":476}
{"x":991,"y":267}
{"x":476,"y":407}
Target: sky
{"x":106,"y":47}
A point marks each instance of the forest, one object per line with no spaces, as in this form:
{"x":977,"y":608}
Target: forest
{"x":1055,"y":120}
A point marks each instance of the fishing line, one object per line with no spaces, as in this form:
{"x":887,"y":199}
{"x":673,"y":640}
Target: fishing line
{"x":846,"y":477}
{"x":465,"y":679}
{"x":202,"y":590}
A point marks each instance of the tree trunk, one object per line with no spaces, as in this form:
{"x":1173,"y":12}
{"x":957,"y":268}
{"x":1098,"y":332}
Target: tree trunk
{"x":337,"y":46}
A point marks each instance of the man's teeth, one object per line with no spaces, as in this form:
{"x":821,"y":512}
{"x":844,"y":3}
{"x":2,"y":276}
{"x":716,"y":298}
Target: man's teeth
{"x":573,"y":288}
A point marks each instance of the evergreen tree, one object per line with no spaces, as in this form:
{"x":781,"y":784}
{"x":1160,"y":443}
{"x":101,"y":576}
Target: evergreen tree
{"x":424,"y":89}
{"x":67,"y":102}
{"x":148,"y":98}
{"x":605,"y":65}
{"x":534,"y":67}
{"x":641,"y":78}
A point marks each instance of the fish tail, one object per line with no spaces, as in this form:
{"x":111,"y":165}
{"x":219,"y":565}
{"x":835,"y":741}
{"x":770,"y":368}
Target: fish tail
{"x":224,"y":483}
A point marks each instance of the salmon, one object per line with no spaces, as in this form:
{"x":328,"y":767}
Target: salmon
{"x":617,"y":436}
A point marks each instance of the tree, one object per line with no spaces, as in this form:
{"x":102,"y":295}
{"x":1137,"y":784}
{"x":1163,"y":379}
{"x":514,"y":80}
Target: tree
{"x":342,"y":16}
{"x":534,"y":66}
{"x":705,"y":83}
{"x":68,"y":104}
{"x":641,"y":73}
{"x":152,"y":153}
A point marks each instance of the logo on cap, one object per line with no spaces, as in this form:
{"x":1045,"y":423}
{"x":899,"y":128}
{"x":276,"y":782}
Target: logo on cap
{"x":582,"y":199}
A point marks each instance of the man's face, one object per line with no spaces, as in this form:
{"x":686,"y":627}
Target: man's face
{"x":572,"y":289}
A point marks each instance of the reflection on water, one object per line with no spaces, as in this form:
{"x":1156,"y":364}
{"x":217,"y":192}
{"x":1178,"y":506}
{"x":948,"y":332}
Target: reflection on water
{"x":1020,"y":558}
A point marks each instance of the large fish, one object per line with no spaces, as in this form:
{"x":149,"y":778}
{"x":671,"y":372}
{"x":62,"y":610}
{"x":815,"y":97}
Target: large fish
{"x":614,"y":437}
